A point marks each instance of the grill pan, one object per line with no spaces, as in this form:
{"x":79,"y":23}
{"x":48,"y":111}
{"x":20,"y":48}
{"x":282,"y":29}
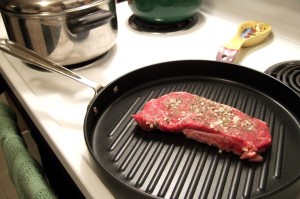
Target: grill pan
{"x":138,"y":164}
{"x":134,"y":163}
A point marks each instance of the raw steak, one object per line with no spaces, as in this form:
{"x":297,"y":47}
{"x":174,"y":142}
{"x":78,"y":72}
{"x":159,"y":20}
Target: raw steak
{"x":208,"y":122}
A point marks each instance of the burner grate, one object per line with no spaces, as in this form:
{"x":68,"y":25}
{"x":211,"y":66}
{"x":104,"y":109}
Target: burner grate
{"x":287,"y":72}
{"x":81,"y":65}
{"x":143,"y":26}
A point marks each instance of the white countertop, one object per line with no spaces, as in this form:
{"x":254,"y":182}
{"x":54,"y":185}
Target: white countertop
{"x":58,"y":105}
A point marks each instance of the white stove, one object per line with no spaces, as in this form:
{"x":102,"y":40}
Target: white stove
{"x":57,"y":105}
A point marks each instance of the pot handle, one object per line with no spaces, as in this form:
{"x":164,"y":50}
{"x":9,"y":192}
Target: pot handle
{"x":89,"y":21}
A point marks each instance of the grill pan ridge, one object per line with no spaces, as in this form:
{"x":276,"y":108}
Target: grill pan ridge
{"x":164,"y":165}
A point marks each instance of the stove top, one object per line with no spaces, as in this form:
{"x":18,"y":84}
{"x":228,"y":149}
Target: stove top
{"x":47,"y":95}
{"x":288,"y":72}
{"x":143,"y":26}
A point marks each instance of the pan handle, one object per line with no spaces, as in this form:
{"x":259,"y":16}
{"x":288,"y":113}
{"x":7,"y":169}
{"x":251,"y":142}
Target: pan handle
{"x":31,"y":57}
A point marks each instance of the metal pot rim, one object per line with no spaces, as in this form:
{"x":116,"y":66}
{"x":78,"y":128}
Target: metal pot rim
{"x":47,"y":8}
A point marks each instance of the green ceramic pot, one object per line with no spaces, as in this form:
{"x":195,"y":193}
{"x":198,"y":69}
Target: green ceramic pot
{"x":164,"y":11}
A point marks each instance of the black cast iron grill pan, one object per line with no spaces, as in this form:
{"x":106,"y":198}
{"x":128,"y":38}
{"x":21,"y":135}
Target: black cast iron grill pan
{"x":138,"y":164}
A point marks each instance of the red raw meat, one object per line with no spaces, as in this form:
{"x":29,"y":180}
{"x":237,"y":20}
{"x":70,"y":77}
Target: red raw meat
{"x":208,"y":122}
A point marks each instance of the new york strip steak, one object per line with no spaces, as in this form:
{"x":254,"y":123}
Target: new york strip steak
{"x":208,"y":122}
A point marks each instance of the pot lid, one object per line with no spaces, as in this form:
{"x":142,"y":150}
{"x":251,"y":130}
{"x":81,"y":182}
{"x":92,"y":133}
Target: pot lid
{"x":45,"y":6}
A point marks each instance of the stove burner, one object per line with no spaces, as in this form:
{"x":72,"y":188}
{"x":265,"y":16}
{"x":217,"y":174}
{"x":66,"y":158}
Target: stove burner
{"x":143,"y":26}
{"x":287,"y":72}
{"x":85,"y":63}
{"x":80,"y":65}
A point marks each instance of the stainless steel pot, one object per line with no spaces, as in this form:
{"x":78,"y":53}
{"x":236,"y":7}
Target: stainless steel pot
{"x":66,"y":32}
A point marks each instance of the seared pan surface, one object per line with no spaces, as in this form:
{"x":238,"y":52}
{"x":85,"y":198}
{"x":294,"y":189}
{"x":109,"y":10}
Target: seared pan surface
{"x":166,"y":165}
